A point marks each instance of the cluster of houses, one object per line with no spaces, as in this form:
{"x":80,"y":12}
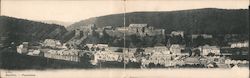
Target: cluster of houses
{"x":50,"y":48}
{"x":162,"y":55}
{"x":167,"y":56}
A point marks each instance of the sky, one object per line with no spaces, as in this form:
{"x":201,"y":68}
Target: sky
{"x":76,"y":10}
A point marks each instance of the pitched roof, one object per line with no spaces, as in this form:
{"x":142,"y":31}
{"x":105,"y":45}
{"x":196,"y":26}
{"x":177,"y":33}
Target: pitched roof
{"x":209,"y":47}
{"x":137,"y":25}
{"x":192,"y":60}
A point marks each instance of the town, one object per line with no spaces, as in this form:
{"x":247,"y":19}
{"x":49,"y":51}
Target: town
{"x":145,"y":46}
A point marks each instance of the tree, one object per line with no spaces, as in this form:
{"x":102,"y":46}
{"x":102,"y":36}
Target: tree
{"x":85,"y":48}
{"x":176,"y":40}
{"x":151,"y":65}
{"x":197,"y":52}
{"x":139,"y":52}
{"x":211,"y":54}
{"x":199,"y":41}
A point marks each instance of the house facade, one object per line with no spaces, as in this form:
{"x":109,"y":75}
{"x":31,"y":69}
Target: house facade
{"x":177,"y":33}
{"x":52,"y":43}
{"x":23,"y":48}
{"x":158,"y":58}
{"x":68,"y":55}
{"x":240,"y":44}
{"x":106,"y":56}
{"x":205,"y":50}
{"x":176,"y":49}
{"x":205,"y":36}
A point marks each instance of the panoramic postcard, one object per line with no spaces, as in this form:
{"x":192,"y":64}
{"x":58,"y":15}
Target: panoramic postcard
{"x":124,"y":39}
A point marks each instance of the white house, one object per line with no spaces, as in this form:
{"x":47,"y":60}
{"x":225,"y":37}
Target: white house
{"x":205,"y":50}
{"x":102,"y":45}
{"x":158,"y":58}
{"x":206,"y":36}
{"x":52,"y":43}
{"x":176,"y":33}
{"x":162,"y":49}
{"x":140,"y":26}
{"x":34,"y":53}
{"x":129,"y":54}
{"x":69,"y":55}
{"x":176,"y":49}
{"x":106,"y":56}
{"x":23,"y":48}
{"x":95,"y":46}
{"x":240,"y":44}
{"x":151,"y":50}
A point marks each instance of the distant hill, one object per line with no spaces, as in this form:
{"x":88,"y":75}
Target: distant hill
{"x":56,"y":22}
{"x":19,"y":30}
{"x":207,"y":20}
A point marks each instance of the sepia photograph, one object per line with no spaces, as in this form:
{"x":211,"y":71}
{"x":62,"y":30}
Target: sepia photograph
{"x":124,"y":38}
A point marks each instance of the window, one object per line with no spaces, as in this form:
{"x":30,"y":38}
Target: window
{"x":216,"y":59}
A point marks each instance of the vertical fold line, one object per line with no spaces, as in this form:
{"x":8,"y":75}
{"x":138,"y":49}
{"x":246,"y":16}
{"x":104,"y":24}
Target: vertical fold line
{"x":124,"y":34}
{"x":0,"y":7}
